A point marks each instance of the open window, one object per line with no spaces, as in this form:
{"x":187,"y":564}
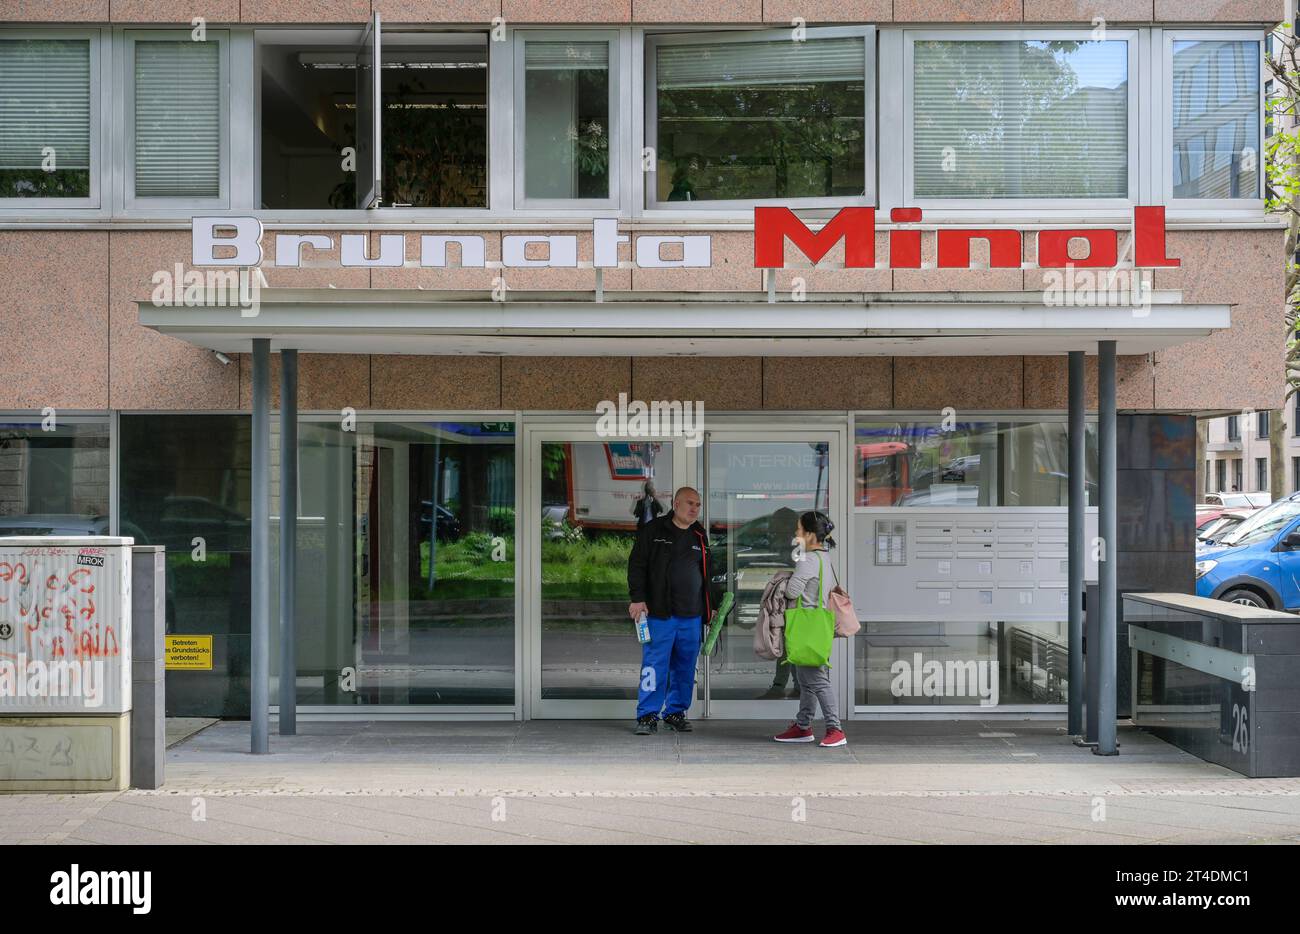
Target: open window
{"x":373,"y":118}
{"x":369,"y":106}
{"x":736,"y":119}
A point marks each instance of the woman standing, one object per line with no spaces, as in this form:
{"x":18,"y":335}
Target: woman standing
{"x":806,"y":587}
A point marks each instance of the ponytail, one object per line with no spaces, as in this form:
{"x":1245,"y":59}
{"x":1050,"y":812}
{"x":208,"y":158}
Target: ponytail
{"x":820,"y":525}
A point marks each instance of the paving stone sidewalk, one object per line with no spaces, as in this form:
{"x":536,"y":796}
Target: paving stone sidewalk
{"x":594,"y":782}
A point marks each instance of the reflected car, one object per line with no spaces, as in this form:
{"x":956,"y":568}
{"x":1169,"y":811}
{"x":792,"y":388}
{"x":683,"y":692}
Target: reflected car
{"x":1218,"y":527}
{"x":448,"y":525}
{"x":185,"y":518}
{"x":553,"y":519}
{"x":955,"y":470}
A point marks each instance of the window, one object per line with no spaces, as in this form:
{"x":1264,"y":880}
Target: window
{"x":1022,"y":658}
{"x":567,"y":137}
{"x":1220,"y":476}
{"x":1295,"y":474}
{"x":1261,"y":474}
{"x":49,"y":119}
{"x":186,"y":478}
{"x":971,"y":464}
{"x":1261,"y":424}
{"x":1237,"y":481}
{"x":55,"y":482}
{"x":1042,"y":118}
{"x":1215,"y":104}
{"x":733,"y":120}
{"x":1234,"y":432}
{"x":177,"y":103}
{"x":416,"y":546}
{"x":308,"y":120}
{"x":329,"y":141}
{"x":1208,"y":474}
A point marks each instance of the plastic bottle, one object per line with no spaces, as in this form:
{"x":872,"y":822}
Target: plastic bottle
{"x":642,"y":629}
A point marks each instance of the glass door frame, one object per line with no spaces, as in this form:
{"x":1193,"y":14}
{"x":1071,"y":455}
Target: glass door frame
{"x":820,"y":427}
{"x":531,"y":434}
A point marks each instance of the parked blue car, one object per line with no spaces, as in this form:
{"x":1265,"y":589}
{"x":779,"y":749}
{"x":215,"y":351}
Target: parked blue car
{"x":1258,"y":562}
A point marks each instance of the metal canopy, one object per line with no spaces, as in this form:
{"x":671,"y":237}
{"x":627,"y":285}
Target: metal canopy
{"x":705,"y":324}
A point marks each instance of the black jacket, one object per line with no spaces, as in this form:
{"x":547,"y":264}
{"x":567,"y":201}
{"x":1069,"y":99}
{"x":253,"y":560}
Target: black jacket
{"x":647,"y":568}
{"x":656,"y":510}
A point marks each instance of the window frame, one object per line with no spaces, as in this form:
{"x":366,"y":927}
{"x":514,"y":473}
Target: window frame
{"x":155,"y":205}
{"x":650,"y":105}
{"x":499,"y":137}
{"x":1203,"y":206}
{"x":1136,"y":84}
{"x":100,"y":95}
{"x":519,"y":117}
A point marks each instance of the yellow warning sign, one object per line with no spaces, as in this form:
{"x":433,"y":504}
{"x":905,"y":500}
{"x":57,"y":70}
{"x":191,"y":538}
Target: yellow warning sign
{"x":188,"y":653}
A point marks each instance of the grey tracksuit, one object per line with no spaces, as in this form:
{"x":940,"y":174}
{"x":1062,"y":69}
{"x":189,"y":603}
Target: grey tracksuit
{"x":814,"y":681}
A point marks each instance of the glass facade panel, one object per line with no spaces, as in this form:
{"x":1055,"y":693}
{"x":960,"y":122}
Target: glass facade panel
{"x":756,"y":493}
{"x":54,"y":482}
{"x":406,"y":538}
{"x":595,"y":496}
{"x":948,"y":663}
{"x":968,"y":464}
{"x":185,"y":484}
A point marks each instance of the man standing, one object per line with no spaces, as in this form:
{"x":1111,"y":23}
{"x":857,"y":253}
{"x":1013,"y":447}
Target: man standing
{"x":668,"y":580}
{"x":647,"y":507}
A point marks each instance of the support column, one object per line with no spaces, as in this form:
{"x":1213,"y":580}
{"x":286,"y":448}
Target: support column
{"x":260,"y":558}
{"x":1108,"y":595}
{"x":1077,"y":471}
{"x":288,"y":541}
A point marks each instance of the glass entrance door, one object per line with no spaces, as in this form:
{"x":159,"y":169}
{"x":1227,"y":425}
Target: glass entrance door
{"x":583,"y":500}
{"x":757,"y":484}
{"x":587,"y":496}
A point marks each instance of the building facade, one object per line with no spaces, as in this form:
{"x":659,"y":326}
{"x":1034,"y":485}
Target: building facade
{"x":498,"y":231}
{"x":1238,"y":451}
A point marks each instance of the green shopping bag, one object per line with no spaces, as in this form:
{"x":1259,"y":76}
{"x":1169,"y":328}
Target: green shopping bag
{"x":809,"y":631}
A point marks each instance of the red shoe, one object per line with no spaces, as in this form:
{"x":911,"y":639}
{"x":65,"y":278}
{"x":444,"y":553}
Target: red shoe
{"x":834,"y":738}
{"x":796,"y":734}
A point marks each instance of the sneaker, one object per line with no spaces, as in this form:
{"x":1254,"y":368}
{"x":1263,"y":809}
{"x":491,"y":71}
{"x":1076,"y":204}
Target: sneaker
{"x":775,"y":692}
{"x":796,"y":734}
{"x":834,"y":737}
{"x":678,"y":722}
{"x":647,"y":725}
